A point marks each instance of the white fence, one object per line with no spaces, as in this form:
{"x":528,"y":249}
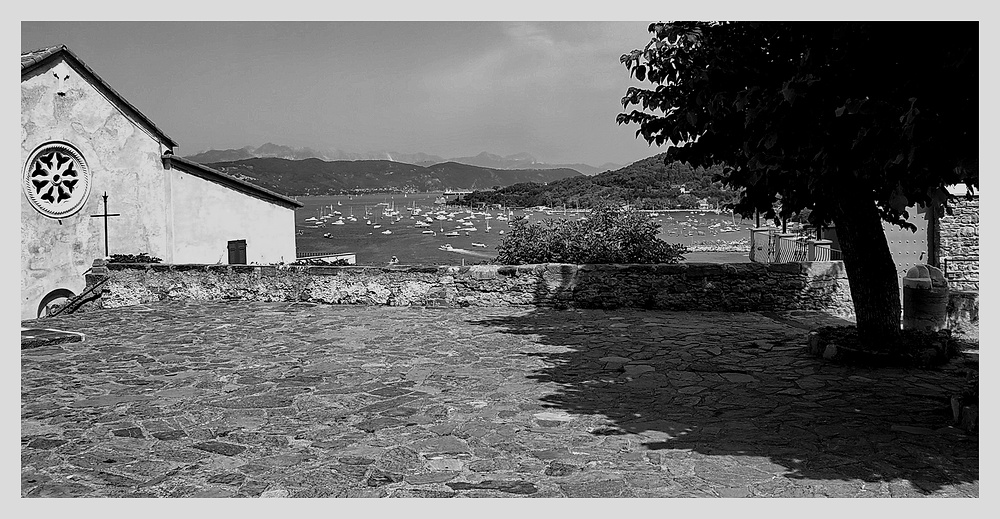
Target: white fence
{"x":769,"y":246}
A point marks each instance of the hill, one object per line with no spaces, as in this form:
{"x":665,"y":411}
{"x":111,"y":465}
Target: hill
{"x":517,"y":161}
{"x":645,"y":184}
{"x":315,"y":176}
{"x":270,"y":150}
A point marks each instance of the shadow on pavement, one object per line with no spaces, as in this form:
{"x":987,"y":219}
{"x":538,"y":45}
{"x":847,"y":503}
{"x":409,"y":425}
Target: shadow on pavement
{"x":766,"y":399}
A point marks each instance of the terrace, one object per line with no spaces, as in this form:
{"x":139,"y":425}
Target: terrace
{"x":181,"y":398}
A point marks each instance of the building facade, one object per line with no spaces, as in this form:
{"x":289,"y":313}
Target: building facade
{"x":80,"y":140}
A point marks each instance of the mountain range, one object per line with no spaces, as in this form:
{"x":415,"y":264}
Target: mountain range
{"x":314,"y":176}
{"x":486,"y":160}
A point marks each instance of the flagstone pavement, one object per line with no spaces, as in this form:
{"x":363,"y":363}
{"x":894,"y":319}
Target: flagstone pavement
{"x":243,"y":399}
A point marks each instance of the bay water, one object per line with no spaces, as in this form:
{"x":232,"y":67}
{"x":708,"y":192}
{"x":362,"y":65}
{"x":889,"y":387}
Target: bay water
{"x":475,"y":234}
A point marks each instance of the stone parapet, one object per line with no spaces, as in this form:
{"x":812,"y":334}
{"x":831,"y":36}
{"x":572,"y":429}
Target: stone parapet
{"x":958,"y":244}
{"x":820,"y":285}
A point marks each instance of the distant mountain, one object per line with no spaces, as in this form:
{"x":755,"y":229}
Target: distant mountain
{"x":271,"y":150}
{"x":314,"y":176}
{"x":526,"y":161}
{"x":650,"y":183}
{"x":521,"y":161}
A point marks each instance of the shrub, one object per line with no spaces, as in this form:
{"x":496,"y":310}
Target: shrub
{"x":142,"y":257}
{"x":607,"y":235}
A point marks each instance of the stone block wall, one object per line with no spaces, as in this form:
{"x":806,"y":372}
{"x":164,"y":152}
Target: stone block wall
{"x":685,"y":286}
{"x":958,"y":244}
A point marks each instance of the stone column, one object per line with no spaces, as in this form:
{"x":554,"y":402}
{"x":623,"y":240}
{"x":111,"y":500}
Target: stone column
{"x":759,"y":245}
{"x":784,"y":246}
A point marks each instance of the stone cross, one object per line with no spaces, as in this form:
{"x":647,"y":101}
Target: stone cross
{"x":105,"y":216}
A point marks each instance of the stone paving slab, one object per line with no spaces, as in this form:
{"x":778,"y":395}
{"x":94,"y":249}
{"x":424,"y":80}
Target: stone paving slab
{"x":295,"y":400}
{"x":35,"y":337}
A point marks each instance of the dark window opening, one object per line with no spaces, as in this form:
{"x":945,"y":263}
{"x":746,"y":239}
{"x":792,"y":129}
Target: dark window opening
{"x":238,"y":252}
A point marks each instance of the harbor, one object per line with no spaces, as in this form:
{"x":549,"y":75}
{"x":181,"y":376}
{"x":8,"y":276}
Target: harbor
{"x":422,"y":229}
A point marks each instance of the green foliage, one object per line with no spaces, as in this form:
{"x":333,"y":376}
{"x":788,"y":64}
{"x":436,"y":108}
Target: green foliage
{"x":645,"y":184}
{"x":142,"y":257}
{"x":813,"y":113}
{"x":608,"y":235}
{"x":854,"y":121}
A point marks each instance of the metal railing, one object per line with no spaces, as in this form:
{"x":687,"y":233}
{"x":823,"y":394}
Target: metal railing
{"x":770,"y":246}
{"x":76,"y":302}
{"x":314,"y":255}
{"x":788,"y":250}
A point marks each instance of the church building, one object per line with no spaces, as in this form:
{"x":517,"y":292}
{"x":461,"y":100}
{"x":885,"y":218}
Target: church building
{"x":97,"y":173}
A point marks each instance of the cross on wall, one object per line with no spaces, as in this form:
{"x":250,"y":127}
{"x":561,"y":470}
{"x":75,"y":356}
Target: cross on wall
{"x":106,"y":215}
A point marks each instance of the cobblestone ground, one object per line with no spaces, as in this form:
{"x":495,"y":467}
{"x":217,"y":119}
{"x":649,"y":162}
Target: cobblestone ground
{"x":280,"y":399}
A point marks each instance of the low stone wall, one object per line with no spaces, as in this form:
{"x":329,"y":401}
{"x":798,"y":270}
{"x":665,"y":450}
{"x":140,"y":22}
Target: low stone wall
{"x":684,"y":286}
{"x":963,"y":314}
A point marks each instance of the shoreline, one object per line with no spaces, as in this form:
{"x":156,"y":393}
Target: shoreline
{"x":742,"y":245}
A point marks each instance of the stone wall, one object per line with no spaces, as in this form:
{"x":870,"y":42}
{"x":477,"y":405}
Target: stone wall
{"x":685,"y":286}
{"x":958,"y":244}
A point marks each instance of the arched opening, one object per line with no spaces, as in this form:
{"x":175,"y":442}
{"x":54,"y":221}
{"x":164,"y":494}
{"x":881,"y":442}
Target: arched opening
{"x":53,"y":301}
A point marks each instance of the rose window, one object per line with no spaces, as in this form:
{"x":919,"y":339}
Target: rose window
{"x":56,"y":180}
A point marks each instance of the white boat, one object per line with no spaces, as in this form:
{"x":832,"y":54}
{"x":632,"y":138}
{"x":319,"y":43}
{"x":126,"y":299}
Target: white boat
{"x":338,"y":222}
{"x":476,"y":244}
{"x":467,"y":229}
{"x":377,"y":226}
{"x":452,"y":233}
{"x":421,"y":224}
{"x":428,"y":232}
{"x":387,"y":231}
{"x":311,"y":219}
{"x":447,"y":247}
{"x":327,"y":235}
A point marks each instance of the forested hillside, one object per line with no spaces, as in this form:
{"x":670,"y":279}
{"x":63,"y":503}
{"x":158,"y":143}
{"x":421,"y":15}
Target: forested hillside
{"x":645,"y":184}
{"x":320,"y":177}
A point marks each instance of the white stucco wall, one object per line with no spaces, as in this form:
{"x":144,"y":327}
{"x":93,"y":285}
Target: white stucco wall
{"x":125,"y":163}
{"x":167,"y":213}
{"x":207,"y":215}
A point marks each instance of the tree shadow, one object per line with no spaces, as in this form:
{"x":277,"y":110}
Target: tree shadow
{"x":743,"y":384}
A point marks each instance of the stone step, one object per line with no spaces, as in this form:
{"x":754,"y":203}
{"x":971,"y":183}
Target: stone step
{"x":36,"y":337}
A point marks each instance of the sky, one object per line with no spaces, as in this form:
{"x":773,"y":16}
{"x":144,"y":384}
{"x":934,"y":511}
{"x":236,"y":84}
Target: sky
{"x":453,"y":88}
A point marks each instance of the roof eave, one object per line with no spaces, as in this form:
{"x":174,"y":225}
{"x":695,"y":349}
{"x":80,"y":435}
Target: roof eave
{"x":101,"y":84}
{"x":207,"y":173}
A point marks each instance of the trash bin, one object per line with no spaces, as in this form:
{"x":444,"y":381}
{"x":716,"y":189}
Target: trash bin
{"x":925,"y":299}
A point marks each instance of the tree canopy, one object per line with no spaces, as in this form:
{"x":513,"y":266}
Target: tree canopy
{"x":853,"y":121}
{"x":797,"y":110}
{"x":645,"y":184}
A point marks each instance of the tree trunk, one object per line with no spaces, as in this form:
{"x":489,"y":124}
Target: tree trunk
{"x":870,"y":271}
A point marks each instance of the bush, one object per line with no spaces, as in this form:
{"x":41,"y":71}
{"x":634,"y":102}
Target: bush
{"x":607,"y":235}
{"x":142,"y":257}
